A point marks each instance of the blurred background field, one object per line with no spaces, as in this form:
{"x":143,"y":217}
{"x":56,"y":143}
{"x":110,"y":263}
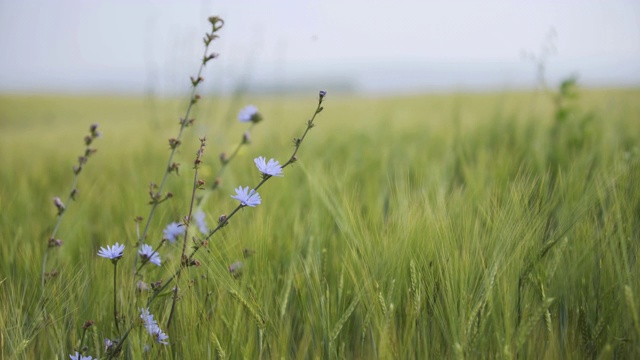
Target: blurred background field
{"x":425,"y":226}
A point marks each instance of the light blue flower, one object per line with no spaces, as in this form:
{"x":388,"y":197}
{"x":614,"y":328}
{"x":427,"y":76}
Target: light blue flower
{"x":111,"y":252}
{"x":147,"y":317}
{"x":271,"y":168}
{"x":78,"y":356}
{"x":172,"y":231}
{"x":157,"y":333}
{"x":201,"y":223}
{"x":152,"y":326}
{"x":249,"y":113}
{"x":147,"y":253}
{"x":246,"y":197}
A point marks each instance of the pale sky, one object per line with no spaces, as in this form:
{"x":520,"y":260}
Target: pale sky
{"x":397,"y":45}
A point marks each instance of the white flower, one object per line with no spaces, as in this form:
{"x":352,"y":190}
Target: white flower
{"x":200,"y":221}
{"x":155,"y":331}
{"x":271,"y":168}
{"x":172,"y":231}
{"x":246,"y":197}
{"x":111,"y":252}
{"x":249,"y":113}
{"x":147,"y":253}
{"x":78,"y":356}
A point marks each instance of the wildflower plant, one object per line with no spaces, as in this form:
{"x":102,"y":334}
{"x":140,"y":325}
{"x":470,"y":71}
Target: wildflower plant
{"x":61,"y":206}
{"x":113,"y":253}
{"x":192,"y":229}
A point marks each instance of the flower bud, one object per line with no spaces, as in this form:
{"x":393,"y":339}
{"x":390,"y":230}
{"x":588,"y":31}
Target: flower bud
{"x":174,"y":143}
{"x":54,"y":243}
{"x":59,"y":205}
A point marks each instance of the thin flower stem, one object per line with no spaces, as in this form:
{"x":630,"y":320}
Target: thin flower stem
{"x":117,"y":349}
{"x":115,"y":304}
{"x":196,"y":186}
{"x":203,"y":200}
{"x":55,"y":229}
{"x":299,"y":141}
{"x":217,"y":24}
{"x":183,"y":125}
{"x":82,"y":160}
{"x":84,"y":332}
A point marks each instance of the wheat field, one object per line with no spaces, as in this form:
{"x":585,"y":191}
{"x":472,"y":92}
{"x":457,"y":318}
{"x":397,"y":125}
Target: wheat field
{"x":503,"y":225}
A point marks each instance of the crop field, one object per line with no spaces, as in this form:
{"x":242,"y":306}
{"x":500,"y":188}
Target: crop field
{"x":502,"y":226}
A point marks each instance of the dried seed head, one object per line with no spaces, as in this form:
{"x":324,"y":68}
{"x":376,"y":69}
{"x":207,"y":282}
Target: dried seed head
{"x":216,"y":22}
{"x":174,"y":143}
{"x":87,"y":324}
{"x":156,"y":285}
{"x":195,"y":82}
{"x":175,"y":167}
{"x":51,"y":274}
{"x":54,"y":242}
{"x":186,"y":123}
